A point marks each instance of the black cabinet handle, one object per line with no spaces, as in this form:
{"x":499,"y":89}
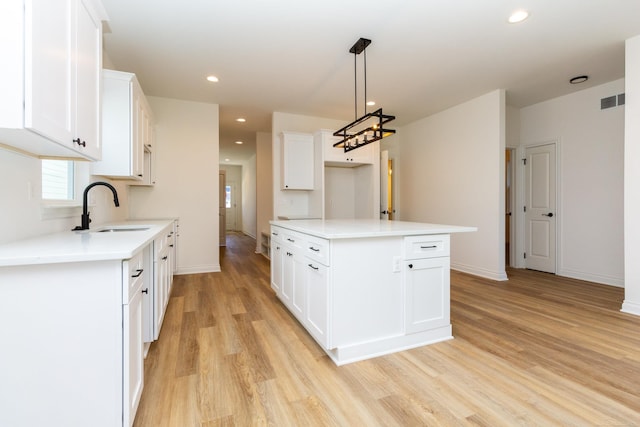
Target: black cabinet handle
{"x":550,"y":214}
{"x":139,"y":273}
{"x":428,"y":247}
{"x":312,"y":266}
{"x":165,"y":257}
{"x":170,"y":246}
{"x":145,"y":291}
{"x":410,"y":265}
{"x":140,"y":175}
{"x":314,"y":249}
{"x":291,"y":240}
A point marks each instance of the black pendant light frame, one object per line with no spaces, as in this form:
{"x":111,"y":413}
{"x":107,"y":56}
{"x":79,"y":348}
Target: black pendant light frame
{"x":357,"y":134}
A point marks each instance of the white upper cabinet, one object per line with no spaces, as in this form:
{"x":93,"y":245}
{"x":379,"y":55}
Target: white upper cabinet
{"x":337,"y":157}
{"x":126,"y":129}
{"x":50,"y":78}
{"x":297,"y":165}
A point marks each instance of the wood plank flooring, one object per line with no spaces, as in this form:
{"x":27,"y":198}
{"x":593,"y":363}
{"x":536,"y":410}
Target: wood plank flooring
{"x":537,"y":350}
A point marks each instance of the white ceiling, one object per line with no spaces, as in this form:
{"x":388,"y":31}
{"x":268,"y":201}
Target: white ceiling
{"x":425,"y":56}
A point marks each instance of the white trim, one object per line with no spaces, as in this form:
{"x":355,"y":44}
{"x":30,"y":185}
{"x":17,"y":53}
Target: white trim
{"x":630,"y":307}
{"x":590,"y":277}
{"x":481,"y":272}
{"x":207,"y":268}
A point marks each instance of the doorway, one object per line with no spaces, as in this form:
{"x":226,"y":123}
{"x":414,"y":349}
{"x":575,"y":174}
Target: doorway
{"x":231,"y":206}
{"x":222,"y":183}
{"x":387,"y":208}
{"x":540,"y":214}
{"x":508,"y":209}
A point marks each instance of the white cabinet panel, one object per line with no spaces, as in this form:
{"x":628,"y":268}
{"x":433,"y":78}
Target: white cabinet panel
{"x":57,"y":69}
{"x":317,"y":302}
{"x":334,"y":156}
{"x":297,"y":161}
{"x":427,"y":294}
{"x":126,"y":128}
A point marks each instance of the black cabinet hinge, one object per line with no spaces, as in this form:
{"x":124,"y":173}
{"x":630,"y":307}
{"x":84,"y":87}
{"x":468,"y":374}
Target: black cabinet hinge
{"x":525,"y":208}
{"x":525,"y":255}
{"x":524,"y":162}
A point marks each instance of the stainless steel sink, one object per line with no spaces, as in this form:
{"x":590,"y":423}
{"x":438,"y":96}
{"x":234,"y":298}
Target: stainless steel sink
{"x":117,"y":229}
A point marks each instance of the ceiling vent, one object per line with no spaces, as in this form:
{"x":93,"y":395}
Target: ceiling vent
{"x":612,"y":101}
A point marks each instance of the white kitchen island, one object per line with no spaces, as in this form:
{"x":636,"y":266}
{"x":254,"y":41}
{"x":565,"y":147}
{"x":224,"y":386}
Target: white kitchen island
{"x":363,"y":288}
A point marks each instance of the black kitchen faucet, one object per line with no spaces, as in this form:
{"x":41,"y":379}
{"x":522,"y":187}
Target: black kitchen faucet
{"x":85,"y":220}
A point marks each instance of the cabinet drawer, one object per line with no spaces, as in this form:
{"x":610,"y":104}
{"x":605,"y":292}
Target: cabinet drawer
{"x":317,"y":249}
{"x":132,"y":281}
{"x":276,"y":234}
{"x":432,"y":246}
{"x":292,"y":239}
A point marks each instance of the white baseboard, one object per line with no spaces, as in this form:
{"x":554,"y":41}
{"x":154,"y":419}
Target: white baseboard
{"x":631,"y":307}
{"x":209,"y":268}
{"x":590,"y":277}
{"x":493,"y":275}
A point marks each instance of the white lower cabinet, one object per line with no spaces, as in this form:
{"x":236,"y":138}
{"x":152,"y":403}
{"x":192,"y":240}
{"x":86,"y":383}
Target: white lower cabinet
{"x":364,"y":296}
{"x":316,"y":317}
{"x":427,"y":294}
{"x":133,"y":358}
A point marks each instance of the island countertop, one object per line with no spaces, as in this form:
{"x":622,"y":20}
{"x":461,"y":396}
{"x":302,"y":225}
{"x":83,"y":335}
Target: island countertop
{"x":81,"y":246}
{"x":361,"y":228}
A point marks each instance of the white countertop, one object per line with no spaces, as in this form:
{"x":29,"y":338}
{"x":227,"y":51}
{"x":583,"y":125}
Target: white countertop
{"x":80,"y":246}
{"x":359,"y":228}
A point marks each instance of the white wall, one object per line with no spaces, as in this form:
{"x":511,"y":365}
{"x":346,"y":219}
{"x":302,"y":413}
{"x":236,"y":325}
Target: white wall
{"x":632,"y":178}
{"x":249,"y":197}
{"x":264,"y":184}
{"x":452,"y":172}
{"x":186,"y":187}
{"x":22,"y":215}
{"x":590,"y":180}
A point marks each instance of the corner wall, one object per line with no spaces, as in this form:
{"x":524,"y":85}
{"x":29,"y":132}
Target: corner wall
{"x":186,"y":158}
{"x":632,"y":178}
{"x":590,"y":155}
{"x":452,"y":172}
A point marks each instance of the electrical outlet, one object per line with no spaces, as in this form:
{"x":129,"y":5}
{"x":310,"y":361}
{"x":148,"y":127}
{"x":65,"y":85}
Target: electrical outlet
{"x":396,"y":264}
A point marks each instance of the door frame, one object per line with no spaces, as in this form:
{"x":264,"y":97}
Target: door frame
{"x":518,"y":261}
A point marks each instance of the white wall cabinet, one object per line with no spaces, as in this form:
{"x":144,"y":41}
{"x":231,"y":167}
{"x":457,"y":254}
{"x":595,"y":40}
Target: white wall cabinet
{"x":127,"y":130}
{"x":337,"y":157}
{"x":297,"y":161}
{"x":50,"y":77}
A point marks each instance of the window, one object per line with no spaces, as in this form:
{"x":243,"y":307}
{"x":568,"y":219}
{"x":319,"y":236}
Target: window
{"x":58,"y":180}
{"x":227,"y":199}
{"x":63,"y":182}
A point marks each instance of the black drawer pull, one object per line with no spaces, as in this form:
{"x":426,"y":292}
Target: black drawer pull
{"x":165,"y":257}
{"x":410,"y":265}
{"x":429,"y":247}
{"x":291,"y":240}
{"x":312,"y":266}
{"x":145,"y":291}
{"x":139,"y":273}
{"x":314,"y":249}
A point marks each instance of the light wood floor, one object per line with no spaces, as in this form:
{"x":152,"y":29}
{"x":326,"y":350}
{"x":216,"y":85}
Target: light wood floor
{"x":536,"y":350}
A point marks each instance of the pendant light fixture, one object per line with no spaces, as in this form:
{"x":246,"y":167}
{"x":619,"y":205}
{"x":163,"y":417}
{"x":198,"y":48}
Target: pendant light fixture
{"x":369,"y":127}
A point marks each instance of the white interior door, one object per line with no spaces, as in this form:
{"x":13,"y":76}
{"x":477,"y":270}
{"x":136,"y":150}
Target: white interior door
{"x":231,"y":206}
{"x":222,"y":222}
{"x":540,"y":208}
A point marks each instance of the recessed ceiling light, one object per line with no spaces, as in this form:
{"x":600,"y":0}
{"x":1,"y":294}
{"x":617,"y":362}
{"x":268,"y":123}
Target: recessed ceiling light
{"x":239,"y":142}
{"x":518,"y":16}
{"x":578,"y":79}
{"x":227,"y":160}
{"x":213,"y":79}
{"x":241,"y":120}
{"x":371,"y":103}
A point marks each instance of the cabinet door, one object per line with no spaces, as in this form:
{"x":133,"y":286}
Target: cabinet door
{"x":299,"y":291}
{"x":161,"y":287}
{"x":88,"y":66}
{"x":49,"y":70}
{"x":277,"y":258}
{"x":427,"y":294}
{"x":317,"y":297}
{"x":297,"y":165}
{"x":133,"y":357}
{"x":288,"y":276}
